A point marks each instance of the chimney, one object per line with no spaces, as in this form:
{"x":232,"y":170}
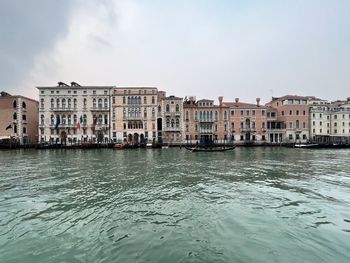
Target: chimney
{"x":258,"y":101}
{"x":220,"y":100}
{"x":236,"y":100}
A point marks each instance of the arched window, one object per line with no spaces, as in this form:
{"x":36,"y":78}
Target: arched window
{"x":159,"y":109}
{"x":15,"y":116}
{"x":225,"y":115}
{"x":167,"y":122}
{"x":52,"y":103}
{"x":84,"y":119}
{"x":153,"y":100}
{"x":139,"y":100}
{"x":172,"y":123}
{"x":94,"y":103}
{"x":186,"y":115}
{"x":145,"y":112}
{"x":100,"y":119}
{"x":24,"y":105}
{"x":177,"y":108}
{"x":144,"y":100}
{"x":84,"y":102}
{"x":63,"y":103}
{"x":200,"y":115}
{"x":42,"y":103}
{"x":211,"y":116}
{"x":106,"y":103}
{"x":52,"y":119}
{"x":75,"y":119}
{"x":63,"y":119}
{"x":15,"y":104}
{"x":196,"y":115}
{"x":123,"y":99}
{"x":177,"y":123}
{"x":297,"y":125}
{"x":58,"y":103}
{"x":128,"y":99}
{"x":69,"y":103}
{"x":216,"y":116}
{"x":100,"y":103}
{"x":208,"y":116}
{"x":75,"y":103}
{"x":167,"y":108}
{"x":69,"y":119}
{"x":153,"y":112}
{"x":42,"y":119}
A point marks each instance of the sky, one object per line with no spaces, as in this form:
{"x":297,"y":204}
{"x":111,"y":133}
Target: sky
{"x":231,"y":48}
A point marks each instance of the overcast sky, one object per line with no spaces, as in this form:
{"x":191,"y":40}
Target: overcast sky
{"x":244,"y":49}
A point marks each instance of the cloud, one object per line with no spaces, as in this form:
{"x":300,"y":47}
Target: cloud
{"x":27,"y":29}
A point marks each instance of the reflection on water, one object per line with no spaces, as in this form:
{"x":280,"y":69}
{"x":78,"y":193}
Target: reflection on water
{"x":248,"y":205}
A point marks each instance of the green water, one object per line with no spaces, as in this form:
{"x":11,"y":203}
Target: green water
{"x":170,"y":205}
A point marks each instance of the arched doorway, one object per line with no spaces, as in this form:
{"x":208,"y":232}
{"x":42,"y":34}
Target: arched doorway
{"x":159,"y":128}
{"x":142,"y":138}
{"x":99,"y":136}
{"x":63,"y":137}
{"x":136,"y":138}
{"x":130,"y":138}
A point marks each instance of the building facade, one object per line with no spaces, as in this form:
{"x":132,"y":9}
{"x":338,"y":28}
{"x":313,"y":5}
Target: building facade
{"x":18,"y":118}
{"x":330,"y":122}
{"x":293,"y":114}
{"x":134,"y":115}
{"x":75,"y":114}
{"x":247,"y":121}
{"x":205,"y":122}
{"x":170,"y":119}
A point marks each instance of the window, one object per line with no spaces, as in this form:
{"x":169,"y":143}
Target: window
{"x":144,"y":100}
{"x":99,"y":103}
{"x":242,"y":113}
{"x":24,"y":130}
{"x":15,"y":104}
{"x":42,"y":119}
{"x":58,"y":103}
{"x":24,"y":105}
{"x":153,"y":101}
{"x":282,"y":113}
{"x":42,"y":103}
{"x":253,"y":112}
{"x":75,"y":103}
{"x":225,"y":115}
{"x":263,"y":113}
{"x":290,"y":125}
{"x":304,"y":113}
{"x":297,"y":124}
{"x":106,"y":103}
{"x":290,"y":112}
{"x":167,"y":108}
{"x":232,"y":113}
{"x":15,"y":116}
{"x":297,"y":112}
{"x":177,"y":108}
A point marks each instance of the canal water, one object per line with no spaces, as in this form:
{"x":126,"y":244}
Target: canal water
{"x":171,"y":205}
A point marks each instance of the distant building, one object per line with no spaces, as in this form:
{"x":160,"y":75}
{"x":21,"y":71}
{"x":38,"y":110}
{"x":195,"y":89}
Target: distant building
{"x":247,"y":121}
{"x":74,"y":113}
{"x":205,"y":122}
{"x":134,"y":114}
{"x":18,"y":118}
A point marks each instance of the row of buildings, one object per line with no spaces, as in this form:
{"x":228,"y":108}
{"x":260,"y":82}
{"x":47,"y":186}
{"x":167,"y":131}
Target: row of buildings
{"x":102,"y":114}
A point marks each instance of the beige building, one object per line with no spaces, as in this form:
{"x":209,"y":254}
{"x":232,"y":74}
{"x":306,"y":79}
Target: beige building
{"x":205,"y":122}
{"x":134,"y":114}
{"x":248,"y":122}
{"x":170,"y":119}
{"x":18,"y":118}
{"x":74,"y":114}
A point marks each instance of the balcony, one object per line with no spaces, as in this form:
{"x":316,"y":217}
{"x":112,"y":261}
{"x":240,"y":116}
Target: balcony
{"x":99,"y":108}
{"x":248,"y":130}
{"x":63,"y":109}
{"x":170,"y":129}
{"x":134,"y":118}
{"x":207,"y":120}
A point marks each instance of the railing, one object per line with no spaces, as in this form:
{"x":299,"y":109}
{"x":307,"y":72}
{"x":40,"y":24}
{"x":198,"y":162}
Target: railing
{"x":248,"y":129}
{"x":172,"y":129}
{"x":100,"y":108}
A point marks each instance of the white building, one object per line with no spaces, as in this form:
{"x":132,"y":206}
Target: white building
{"x":74,"y":114}
{"x":330,"y":122}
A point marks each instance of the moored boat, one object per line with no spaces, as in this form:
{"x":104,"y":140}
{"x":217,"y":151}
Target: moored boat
{"x":210,"y":148}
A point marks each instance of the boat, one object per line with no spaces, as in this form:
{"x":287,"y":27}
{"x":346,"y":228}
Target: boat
{"x":309,"y":145}
{"x":210,"y":148}
{"x":149,"y":145}
{"x":118,"y":146}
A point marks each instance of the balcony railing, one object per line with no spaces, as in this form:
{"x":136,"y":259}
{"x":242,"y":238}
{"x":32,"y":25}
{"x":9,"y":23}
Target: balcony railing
{"x":100,"y":108}
{"x":172,"y":129}
{"x":248,"y":130}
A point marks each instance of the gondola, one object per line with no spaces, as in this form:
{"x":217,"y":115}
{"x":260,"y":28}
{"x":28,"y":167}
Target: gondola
{"x":210,"y":148}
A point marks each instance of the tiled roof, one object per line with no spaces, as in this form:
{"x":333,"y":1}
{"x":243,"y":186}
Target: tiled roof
{"x":242,"y":105}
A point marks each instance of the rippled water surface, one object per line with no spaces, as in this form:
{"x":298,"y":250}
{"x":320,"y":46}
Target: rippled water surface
{"x":170,"y":205}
